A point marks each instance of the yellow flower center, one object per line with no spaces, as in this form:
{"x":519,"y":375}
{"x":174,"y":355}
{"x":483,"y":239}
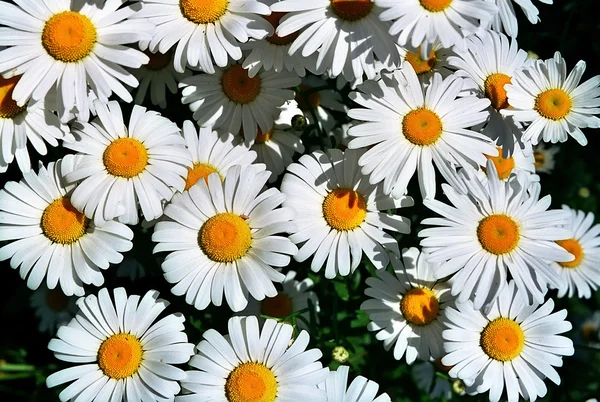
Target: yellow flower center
{"x":62,"y":223}
{"x":494,"y":90}
{"x":225,"y":237}
{"x":238,"y":86}
{"x":344,"y":209}
{"x":419,"y":306}
{"x":251,"y":382}
{"x":199,"y":171}
{"x":120,"y":356}
{"x":574,"y":247}
{"x":125,"y":157}
{"x":307,"y":101}
{"x":539,"y":159}
{"x":8,"y":107}
{"x":279,"y":306}
{"x":419,"y":65}
{"x":498,"y":234}
{"x":261,"y":138}
{"x":504,"y":166}
{"x":502,"y":339}
{"x":69,"y":36}
{"x":422,"y":127}
{"x":56,"y":300}
{"x":435,"y":6}
{"x":158,"y":60}
{"x":275,"y":39}
{"x":203,"y":11}
{"x":553,"y":104}
{"x":352,"y":10}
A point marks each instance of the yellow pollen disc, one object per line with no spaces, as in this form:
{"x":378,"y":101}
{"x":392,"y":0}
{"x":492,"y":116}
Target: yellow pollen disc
{"x":306,"y":102}
{"x":238,"y":86}
{"x":539,"y":159}
{"x":125,"y":157}
{"x":199,"y":171}
{"x":158,"y":60}
{"x":225,"y":237}
{"x":344,"y":209}
{"x":573,"y":247}
{"x":120,"y":356}
{"x":494,"y":90}
{"x":422,"y":127}
{"x":503,"y":166}
{"x":352,"y":10}
{"x":203,"y":11}
{"x":502,"y":339}
{"x":62,"y":223}
{"x":419,"y":65}
{"x":251,"y":382}
{"x":553,"y":104}
{"x":56,"y":300}
{"x":498,"y":234}
{"x":69,"y":36}
{"x":261,"y":138}
{"x":275,"y":39}
{"x":419,"y":306}
{"x":8,"y":107}
{"x":279,"y":306}
{"x":435,"y":6}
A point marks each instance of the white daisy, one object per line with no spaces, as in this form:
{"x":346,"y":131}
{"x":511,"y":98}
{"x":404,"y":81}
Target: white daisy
{"x":230,"y":100}
{"x":495,"y":228}
{"x":408,"y":126}
{"x":360,"y":389}
{"x":338,"y":213}
{"x":347,"y":35}
{"x":207,"y":33}
{"x":435,"y":62}
{"x":127,"y":355}
{"x":544,"y":157}
{"x":407,"y":310}
{"x":19,"y":125}
{"x":70,"y":46}
{"x":157,"y":75}
{"x":252,"y":364}
{"x":121,"y":166}
{"x":507,"y":18}
{"x":489,"y":60}
{"x":48,"y":237}
{"x":422,"y":22}
{"x":277,"y":147}
{"x":293,"y":297}
{"x":508,"y":168}
{"x":318,"y":100}
{"x":512,"y":345}
{"x":223,"y":239}
{"x":583,"y":273}
{"x":52,"y":307}
{"x":553,"y":103}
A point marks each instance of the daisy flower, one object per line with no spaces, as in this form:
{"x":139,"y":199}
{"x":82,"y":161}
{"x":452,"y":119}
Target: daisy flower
{"x":293,"y":297}
{"x":156,"y":76}
{"x":435,"y":62}
{"x":31,"y":123}
{"x":407,"y":127}
{"x":495,"y":228}
{"x":583,"y":273}
{"x":338,"y":213}
{"x":230,"y":100}
{"x":425,"y":21}
{"x":52,"y":307}
{"x":126,"y":354}
{"x":544,"y":157}
{"x":70,"y":47}
{"x":512,"y":345}
{"x":360,"y":389}
{"x":48,"y":238}
{"x":222,"y":237}
{"x":252,"y":364}
{"x":348,"y":36}
{"x":277,"y":147}
{"x":490,"y":61}
{"x":206,"y":32}
{"x":317,"y":102}
{"x":507,"y":18}
{"x":552,"y":103}
{"x":121,"y":166}
{"x":407,"y":310}
{"x":521,"y":160}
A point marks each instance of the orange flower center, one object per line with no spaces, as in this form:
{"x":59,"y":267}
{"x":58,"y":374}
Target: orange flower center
{"x":422,"y":127}
{"x":539,"y":159}
{"x":238,"y":86}
{"x":502,"y":339}
{"x":274,"y":19}
{"x":435,"y":6}
{"x":261,"y":138}
{"x":125,"y":157}
{"x":307,"y":101}
{"x":120,"y":356}
{"x":419,"y":306}
{"x":419,"y":65}
{"x":8,"y":107}
{"x":553,"y":104}
{"x":158,"y":60}
{"x":69,"y":36}
{"x":352,"y":10}
{"x":279,"y":306}
{"x":203,"y":11}
{"x":503,"y":166}
{"x":574,"y":247}
{"x":344,"y":209}
{"x":251,"y":382}
{"x":225,"y":237}
{"x":498,"y":234}
{"x":199,"y":171}
{"x":62,"y":223}
{"x":494,"y":90}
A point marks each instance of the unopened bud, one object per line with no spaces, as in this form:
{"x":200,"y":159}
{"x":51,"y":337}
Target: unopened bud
{"x":298,"y":122}
{"x":340,"y":354}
